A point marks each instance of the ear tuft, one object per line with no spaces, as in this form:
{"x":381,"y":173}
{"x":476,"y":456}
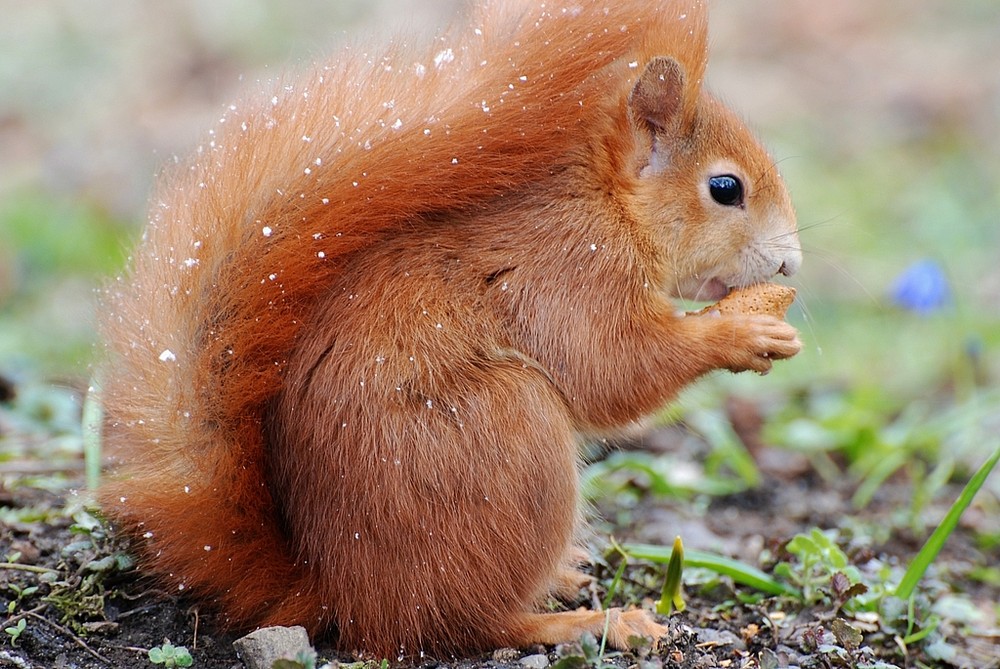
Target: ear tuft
{"x":658,"y":96}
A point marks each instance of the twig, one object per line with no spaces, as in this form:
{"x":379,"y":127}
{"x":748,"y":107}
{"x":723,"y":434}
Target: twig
{"x":197,"y":618}
{"x":136,"y":611}
{"x":24,"y":614}
{"x":132,"y":649}
{"x":27,"y":567}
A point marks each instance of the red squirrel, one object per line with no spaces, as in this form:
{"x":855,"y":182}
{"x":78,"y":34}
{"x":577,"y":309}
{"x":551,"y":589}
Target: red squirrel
{"x":352,"y":357}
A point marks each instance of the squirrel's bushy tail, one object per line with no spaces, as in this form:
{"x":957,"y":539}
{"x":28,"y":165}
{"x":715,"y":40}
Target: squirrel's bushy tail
{"x":242,"y":239}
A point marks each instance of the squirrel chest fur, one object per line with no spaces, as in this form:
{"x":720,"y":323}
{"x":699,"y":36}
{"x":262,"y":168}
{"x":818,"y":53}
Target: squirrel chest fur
{"x":346,"y":375}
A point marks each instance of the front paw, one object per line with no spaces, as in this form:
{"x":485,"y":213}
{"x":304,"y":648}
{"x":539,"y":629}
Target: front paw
{"x":758,"y":341}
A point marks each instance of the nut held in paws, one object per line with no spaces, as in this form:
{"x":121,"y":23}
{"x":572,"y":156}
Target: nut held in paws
{"x":760,"y":298}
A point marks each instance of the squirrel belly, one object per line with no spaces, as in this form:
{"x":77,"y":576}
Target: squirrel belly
{"x":349,"y":360}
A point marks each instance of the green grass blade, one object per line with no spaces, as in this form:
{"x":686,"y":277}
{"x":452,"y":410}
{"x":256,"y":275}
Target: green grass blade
{"x":940,"y":535}
{"x":740,"y":572}
{"x":672,"y":595}
{"x":615,"y":582}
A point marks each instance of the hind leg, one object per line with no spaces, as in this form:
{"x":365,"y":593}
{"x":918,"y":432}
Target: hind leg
{"x":619,"y":626}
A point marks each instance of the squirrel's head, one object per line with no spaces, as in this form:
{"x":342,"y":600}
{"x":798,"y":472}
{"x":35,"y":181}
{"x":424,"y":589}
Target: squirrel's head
{"x":718,"y":207}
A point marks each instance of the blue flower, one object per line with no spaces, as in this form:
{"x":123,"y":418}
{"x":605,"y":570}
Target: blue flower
{"x":922,"y":288}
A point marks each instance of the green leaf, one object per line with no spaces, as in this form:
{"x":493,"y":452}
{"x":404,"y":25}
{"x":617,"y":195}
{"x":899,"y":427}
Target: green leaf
{"x":15,"y":631}
{"x":672,"y":596}
{"x":183,"y":658}
{"x":740,"y":572}
{"x":936,"y":541}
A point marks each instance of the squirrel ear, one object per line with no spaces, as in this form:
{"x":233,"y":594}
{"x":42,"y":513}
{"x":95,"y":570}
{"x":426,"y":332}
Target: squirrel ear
{"x":658,"y":96}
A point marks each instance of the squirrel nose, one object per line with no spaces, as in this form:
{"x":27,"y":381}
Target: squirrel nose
{"x":791,"y":260}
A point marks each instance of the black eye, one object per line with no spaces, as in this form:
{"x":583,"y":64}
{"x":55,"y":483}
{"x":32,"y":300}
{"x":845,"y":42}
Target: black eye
{"x":726,"y":190}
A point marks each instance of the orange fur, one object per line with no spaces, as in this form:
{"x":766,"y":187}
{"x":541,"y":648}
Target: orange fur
{"x":364,"y":325}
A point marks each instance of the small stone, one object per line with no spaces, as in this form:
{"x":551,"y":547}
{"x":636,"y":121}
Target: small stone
{"x":535,"y":662}
{"x":720,"y":638}
{"x":261,"y":648}
{"x":29,"y":553}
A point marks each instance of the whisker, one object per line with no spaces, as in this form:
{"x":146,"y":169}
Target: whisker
{"x":843,"y":272}
{"x":822,"y":224}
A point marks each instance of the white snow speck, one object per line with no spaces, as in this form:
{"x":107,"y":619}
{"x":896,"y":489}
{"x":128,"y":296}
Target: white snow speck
{"x":454,"y":161}
{"x":272,"y":277}
{"x":191,"y":262}
{"x":147,"y":535}
{"x":274,"y":101}
{"x":634,"y":64}
{"x":167,"y":356}
{"x":187,"y":490}
{"x":306,"y":138}
{"x":325,"y":200}
{"x":207,"y":547}
{"x":444,"y":57}
{"x":321,"y":254}
{"x":398,"y":124}
{"x":266,"y":231}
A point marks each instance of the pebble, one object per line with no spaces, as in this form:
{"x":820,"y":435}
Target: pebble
{"x":260,"y":649}
{"x":535,"y":662}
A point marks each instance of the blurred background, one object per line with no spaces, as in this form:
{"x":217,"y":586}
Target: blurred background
{"x":884,"y":118}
